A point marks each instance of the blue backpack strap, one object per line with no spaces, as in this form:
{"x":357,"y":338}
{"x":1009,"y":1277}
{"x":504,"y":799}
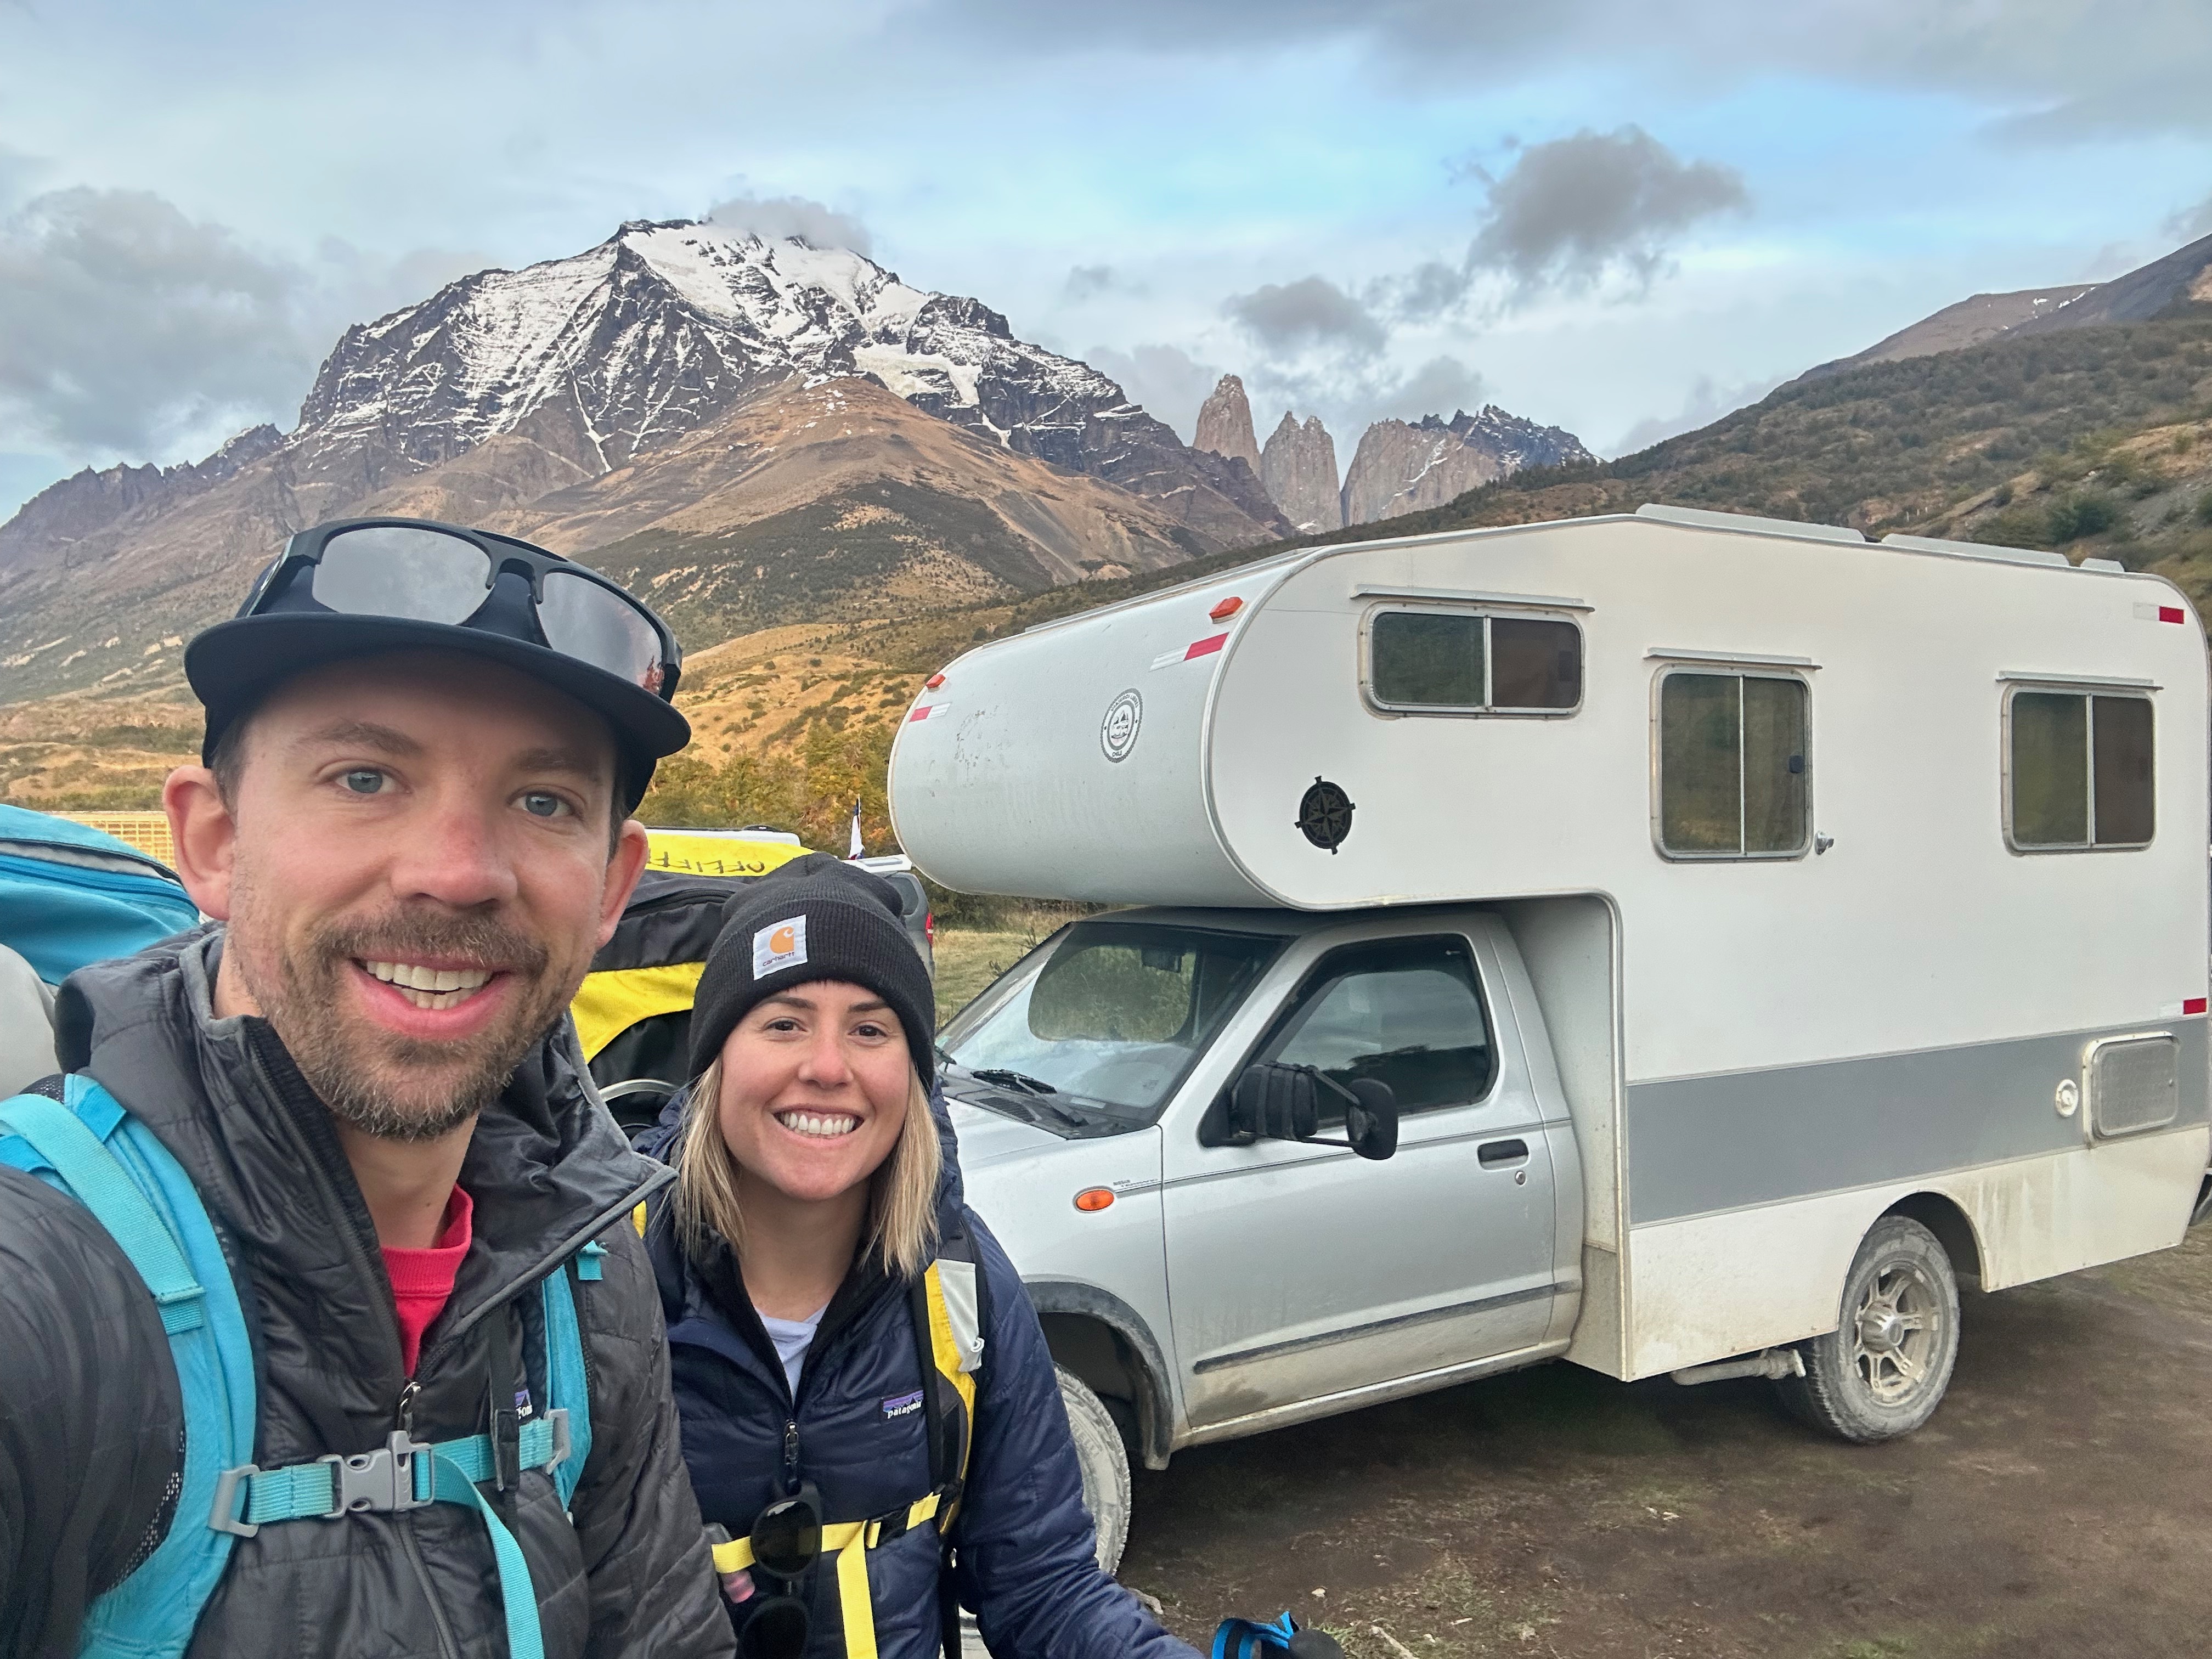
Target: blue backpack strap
{"x":567,"y":1380}
{"x":405,"y":1475}
{"x":88,"y":1146}
{"x":1248,"y":1638}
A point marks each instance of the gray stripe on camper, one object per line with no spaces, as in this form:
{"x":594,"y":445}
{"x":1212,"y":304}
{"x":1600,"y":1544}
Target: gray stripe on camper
{"x":1699,"y":1144}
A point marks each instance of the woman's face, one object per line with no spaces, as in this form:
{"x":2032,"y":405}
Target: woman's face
{"x":815,"y":1081}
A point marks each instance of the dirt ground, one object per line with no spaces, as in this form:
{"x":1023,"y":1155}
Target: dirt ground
{"x":2058,"y":1504}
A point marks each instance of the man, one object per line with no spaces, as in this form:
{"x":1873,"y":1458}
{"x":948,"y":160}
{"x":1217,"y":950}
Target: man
{"x":412,"y":831}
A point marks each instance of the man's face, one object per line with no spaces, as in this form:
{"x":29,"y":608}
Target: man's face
{"x":414,"y":867}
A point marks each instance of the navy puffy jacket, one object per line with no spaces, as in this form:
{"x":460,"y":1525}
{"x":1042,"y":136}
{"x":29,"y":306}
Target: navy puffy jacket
{"x":1027,"y":1559}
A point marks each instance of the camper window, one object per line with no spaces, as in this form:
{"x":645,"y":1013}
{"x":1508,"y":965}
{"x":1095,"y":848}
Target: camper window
{"x":2079,"y":770}
{"x":1407,"y":1014}
{"x":1465,"y":662}
{"x":1732,"y":766}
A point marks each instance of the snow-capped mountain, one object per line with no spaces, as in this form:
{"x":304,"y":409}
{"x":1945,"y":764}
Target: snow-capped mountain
{"x":656,"y":391}
{"x":664,"y":328}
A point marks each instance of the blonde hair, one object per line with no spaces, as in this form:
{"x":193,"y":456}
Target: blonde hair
{"x":901,"y":1225}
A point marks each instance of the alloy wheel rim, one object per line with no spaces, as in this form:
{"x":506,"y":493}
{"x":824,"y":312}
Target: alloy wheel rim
{"x":1896,"y":1332}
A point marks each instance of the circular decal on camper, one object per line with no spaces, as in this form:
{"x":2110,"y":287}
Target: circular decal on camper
{"x":1117,"y":733}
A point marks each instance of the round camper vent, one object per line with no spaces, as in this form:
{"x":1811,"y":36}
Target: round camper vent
{"x":1325,"y":815}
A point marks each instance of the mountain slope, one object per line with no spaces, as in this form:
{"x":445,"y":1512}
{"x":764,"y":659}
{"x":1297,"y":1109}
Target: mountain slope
{"x":1971,"y":321}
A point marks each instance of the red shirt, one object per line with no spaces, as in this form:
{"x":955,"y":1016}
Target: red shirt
{"x":423,"y":1280}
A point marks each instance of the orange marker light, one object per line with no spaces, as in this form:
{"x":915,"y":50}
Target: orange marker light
{"x":934,"y":681}
{"x":1094,"y":1198}
{"x":1228,"y":608}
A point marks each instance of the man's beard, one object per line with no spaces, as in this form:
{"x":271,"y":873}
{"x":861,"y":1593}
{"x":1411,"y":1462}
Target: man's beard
{"x":361,"y":1073}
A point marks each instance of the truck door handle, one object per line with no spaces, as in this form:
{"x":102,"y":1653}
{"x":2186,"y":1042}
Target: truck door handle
{"x":1496,"y":1154}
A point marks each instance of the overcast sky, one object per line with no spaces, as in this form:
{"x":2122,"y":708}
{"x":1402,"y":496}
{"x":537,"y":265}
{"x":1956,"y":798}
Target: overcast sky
{"x":1614,"y":216}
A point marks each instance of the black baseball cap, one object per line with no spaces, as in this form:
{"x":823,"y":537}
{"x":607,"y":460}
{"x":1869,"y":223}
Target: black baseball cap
{"x":356,"y":586}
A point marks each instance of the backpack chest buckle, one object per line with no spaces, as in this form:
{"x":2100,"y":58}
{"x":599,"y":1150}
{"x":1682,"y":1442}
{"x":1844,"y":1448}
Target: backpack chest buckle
{"x":381,"y":1481}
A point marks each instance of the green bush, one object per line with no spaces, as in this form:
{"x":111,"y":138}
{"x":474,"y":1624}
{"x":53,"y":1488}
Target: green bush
{"x":2085,"y":513}
{"x":2204,"y":507}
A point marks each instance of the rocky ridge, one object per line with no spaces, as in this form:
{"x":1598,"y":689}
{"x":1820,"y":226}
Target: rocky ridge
{"x":1224,"y":424}
{"x":1299,"y":470}
{"x":1401,"y":468}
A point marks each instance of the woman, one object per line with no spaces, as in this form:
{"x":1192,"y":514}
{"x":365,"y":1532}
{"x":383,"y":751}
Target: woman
{"x":850,"y":1348}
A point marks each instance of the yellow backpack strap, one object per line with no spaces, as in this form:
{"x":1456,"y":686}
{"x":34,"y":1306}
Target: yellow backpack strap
{"x":953,"y":1303}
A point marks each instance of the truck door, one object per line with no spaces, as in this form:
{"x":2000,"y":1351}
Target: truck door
{"x":1297,"y":1271}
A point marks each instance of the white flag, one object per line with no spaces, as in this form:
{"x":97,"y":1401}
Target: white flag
{"x":853,"y":851}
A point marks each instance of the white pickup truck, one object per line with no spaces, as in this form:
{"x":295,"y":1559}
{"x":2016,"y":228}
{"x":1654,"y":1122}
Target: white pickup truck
{"x":1676,"y":943}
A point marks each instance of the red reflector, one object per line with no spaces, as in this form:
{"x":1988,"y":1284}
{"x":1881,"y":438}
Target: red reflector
{"x":934,"y":681}
{"x":2169,"y":613}
{"x":920,"y":713}
{"x":2192,"y":1005}
{"x":1206,"y":647}
{"x":1228,"y":608}
{"x":929,"y":925}
{"x":1094,"y":1198}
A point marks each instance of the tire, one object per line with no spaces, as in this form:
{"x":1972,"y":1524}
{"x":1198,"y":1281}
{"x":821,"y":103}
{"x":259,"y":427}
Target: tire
{"x":1105,"y":1465}
{"x":1882,"y":1371}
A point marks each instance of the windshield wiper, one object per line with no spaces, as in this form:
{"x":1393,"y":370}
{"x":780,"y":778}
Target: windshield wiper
{"x":1021,"y":1080}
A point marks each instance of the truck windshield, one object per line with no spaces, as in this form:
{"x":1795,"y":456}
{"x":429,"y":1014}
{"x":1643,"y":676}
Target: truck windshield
{"x":1103,"y":1019}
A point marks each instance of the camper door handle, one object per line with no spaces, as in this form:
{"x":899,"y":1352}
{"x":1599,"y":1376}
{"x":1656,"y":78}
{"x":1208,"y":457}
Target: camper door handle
{"x":1496,"y":1154}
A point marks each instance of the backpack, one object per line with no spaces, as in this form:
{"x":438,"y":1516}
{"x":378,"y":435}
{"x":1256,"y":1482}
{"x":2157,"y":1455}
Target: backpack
{"x":70,"y":895}
{"x":81,"y":1140}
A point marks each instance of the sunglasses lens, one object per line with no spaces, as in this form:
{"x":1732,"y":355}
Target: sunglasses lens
{"x":394,"y":570}
{"x":777,"y":1630}
{"x":596,"y":625}
{"x":787,"y":1537}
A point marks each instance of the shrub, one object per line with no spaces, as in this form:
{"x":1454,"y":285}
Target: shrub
{"x":2204,"y":507}
{"x":2084,"y":512}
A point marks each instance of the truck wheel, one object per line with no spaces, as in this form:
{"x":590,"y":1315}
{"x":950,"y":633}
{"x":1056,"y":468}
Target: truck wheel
{"x":1105,"y":1465}
{"x":1882,"y":1371}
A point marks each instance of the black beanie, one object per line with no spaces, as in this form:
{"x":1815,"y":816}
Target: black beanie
{"x":814,"y":918}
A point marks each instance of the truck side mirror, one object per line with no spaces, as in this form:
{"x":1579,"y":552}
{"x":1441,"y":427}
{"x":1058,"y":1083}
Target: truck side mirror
{"x":1285,"y":1103}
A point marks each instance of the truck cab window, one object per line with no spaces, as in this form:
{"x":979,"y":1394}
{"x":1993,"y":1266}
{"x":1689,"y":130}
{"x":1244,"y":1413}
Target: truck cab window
{"x":1732,"y":766}
{"x":1408,"y":1015}
{"x":1465,"y":662}
{"x":2079,"y":765}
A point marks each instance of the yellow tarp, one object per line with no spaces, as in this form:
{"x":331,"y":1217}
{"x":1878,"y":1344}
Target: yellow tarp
{"x":609,"y":1003}
{"x":693,"y":853}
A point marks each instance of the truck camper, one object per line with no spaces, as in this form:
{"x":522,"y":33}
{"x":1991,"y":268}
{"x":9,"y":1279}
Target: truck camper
{"x":1676,"y":942}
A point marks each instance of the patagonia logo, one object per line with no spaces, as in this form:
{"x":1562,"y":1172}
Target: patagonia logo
{"x":522,"y":1402}
{"x":900,"y":1405}
{"x":779,"y":946}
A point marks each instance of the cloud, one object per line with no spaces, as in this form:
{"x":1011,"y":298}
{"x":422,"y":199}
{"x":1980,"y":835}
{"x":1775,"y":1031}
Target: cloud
{"x":1442,"y":385}
{"x":2048,"y":71}
{"x":124,"y":324}
{"x":1707,"y":402}
{"x":1310,"y":312}
{"x":1166,"y":380}
{"x":2190,"y":223}
{"x":771,"y":216}
{"x":1089,"y":281}
{"x":1570,"y":212}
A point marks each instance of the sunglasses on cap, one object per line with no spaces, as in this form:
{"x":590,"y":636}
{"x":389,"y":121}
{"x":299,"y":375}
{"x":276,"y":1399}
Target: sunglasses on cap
{"x":414,"y":572}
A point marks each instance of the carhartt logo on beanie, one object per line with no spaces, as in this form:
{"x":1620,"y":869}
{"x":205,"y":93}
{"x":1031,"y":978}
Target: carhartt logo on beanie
{"x":779,"y":945}
{"x":815,"y":918}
